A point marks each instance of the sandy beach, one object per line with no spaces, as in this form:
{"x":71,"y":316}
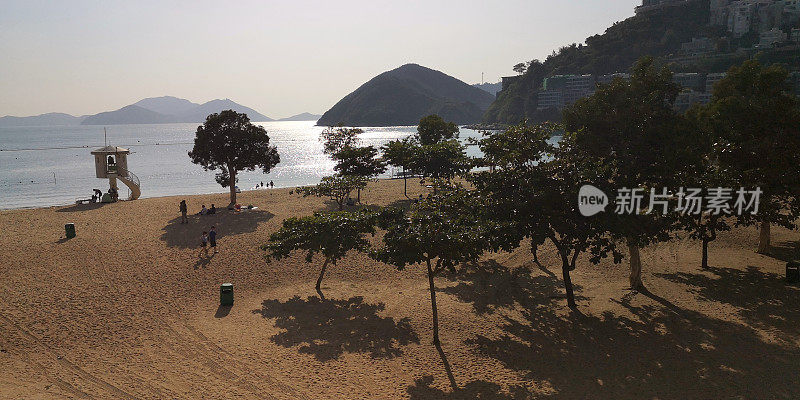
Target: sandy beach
{"x":129,"y":309}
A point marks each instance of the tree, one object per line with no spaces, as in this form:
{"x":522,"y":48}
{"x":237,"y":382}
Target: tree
{"x":433,"y":129}
{"x":440,"y":232}
{"x":341,"y":144}
{"x":359,"y":162}
{"x":532,"y":189}
{"x":441,"y":161}
{"x":331,"y":234}
{"x":757,"y":121}
{"x":228,"y":142}
{"x":400,"y":153}
{"x":630,"y":136}
{"x":708,"y":174}
{"x":337,"y":138}
{"x":338,"y":188}
{"x":520,"y":68}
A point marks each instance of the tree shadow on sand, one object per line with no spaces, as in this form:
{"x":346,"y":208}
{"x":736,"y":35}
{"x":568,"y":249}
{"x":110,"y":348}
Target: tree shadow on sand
{"x":474,"y":390}
{"x":328,"y":328}
{"x":227,"y":222}
{"x":785,"y":251}
{"x":490,"y":286}
{"x":764,"y":299}
{"x":654,"y":354}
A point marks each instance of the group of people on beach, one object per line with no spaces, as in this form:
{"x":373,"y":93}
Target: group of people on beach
{"x":207,"y":211}
{"x":208,"y":238}
{"x":97,"y":195}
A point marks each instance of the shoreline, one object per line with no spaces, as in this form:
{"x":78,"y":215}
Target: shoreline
{"x":3,"y":210}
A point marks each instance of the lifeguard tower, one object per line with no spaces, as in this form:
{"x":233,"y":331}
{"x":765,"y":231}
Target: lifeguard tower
{"x":112,"y":162}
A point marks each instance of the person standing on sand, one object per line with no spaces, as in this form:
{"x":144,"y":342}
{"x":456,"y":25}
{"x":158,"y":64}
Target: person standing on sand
{"x":184,"y":219}
{"x":271,"y":185}
{"x":212,"y":238}
{"x":203,"y":241}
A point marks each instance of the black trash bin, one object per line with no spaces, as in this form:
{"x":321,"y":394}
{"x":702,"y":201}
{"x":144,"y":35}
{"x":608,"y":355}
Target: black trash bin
{"x":69,"y":229}
{"x":793,"y":272}
{"x":226,"y":294}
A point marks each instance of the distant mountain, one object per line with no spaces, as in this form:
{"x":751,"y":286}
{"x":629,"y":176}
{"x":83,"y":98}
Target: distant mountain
{"x":491,"y":88}
{"x":131,"y":114}
{"x":153,"y":110}
{"x":404,"y":95}
{"x":167,"y":105}
{"x":200,"y":112}
{"x":41,"y":120}
{"x":302,"y":117}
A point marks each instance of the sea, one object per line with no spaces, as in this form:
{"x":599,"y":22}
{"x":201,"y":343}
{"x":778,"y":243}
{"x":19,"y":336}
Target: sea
{"x":52,"y":165}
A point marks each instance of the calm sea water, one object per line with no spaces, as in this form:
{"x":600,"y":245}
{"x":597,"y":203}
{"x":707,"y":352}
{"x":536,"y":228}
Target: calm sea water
{"x":44,"y":166}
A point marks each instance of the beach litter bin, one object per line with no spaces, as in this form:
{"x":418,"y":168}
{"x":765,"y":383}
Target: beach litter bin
{"x":793,"y":272}
{"x":226,"y":294}
{"x":69,"y":229}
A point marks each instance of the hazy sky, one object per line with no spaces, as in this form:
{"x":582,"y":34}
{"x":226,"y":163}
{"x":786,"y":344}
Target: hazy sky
{"x":279,"y":57}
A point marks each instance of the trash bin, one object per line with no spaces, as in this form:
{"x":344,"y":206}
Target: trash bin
{"x":70,"y":230}
{"x":226,"y":294}
{"x":793,"y":272}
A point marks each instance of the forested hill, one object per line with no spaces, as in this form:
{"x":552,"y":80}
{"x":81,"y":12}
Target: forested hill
{"x":404,"y":95}
{"x":657,"y":34}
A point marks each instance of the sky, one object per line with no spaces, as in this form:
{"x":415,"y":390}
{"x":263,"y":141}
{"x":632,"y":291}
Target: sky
{"x":279,"y":57}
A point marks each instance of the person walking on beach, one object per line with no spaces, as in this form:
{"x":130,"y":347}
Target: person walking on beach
{"x":271,"y":185}
{"x":184,"y":219}
{"x":212,"y":238}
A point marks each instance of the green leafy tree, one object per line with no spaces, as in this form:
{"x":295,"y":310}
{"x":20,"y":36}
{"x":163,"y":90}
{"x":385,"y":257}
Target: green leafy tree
{"x":228,"y":142}
{"x":359,"y":162}
{"x":337,"y":138}
{"x":433,"y":129}
{"x":532,"y":189}
{"x":757,"y":121}
{"x":332,"y":235}
{"x":441,"y":161}
{"x":341,"y":144}
{"x":337,"y":188}
{"x":629,"y":136}
{"x":708,"y":173}
{"x":520,"y":68}
{"x":400,"y":153}
{"x":440,"y":232}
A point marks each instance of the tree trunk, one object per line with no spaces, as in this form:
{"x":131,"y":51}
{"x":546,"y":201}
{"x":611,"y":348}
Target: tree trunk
{"x":636,"y":266}
{"x":433,"y":305}
{"x":358,"y":197}
{"x":535,"y":251}
{"x":405,"y":184}
{"x":568,"y":285}
{"x":232,"y":185}
{"x":704,"y":264}
{"x":319,"y":280}
{"x":764,"y":238}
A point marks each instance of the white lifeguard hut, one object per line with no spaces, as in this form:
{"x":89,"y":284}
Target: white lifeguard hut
{"x":112,"y":162}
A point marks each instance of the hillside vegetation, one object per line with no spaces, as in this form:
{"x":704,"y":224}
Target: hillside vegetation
{"x":656,"y":34}
{"x":404,"y":95}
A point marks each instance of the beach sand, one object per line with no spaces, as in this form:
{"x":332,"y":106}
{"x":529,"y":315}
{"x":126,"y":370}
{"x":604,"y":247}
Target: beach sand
{"x":129,"y":309}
